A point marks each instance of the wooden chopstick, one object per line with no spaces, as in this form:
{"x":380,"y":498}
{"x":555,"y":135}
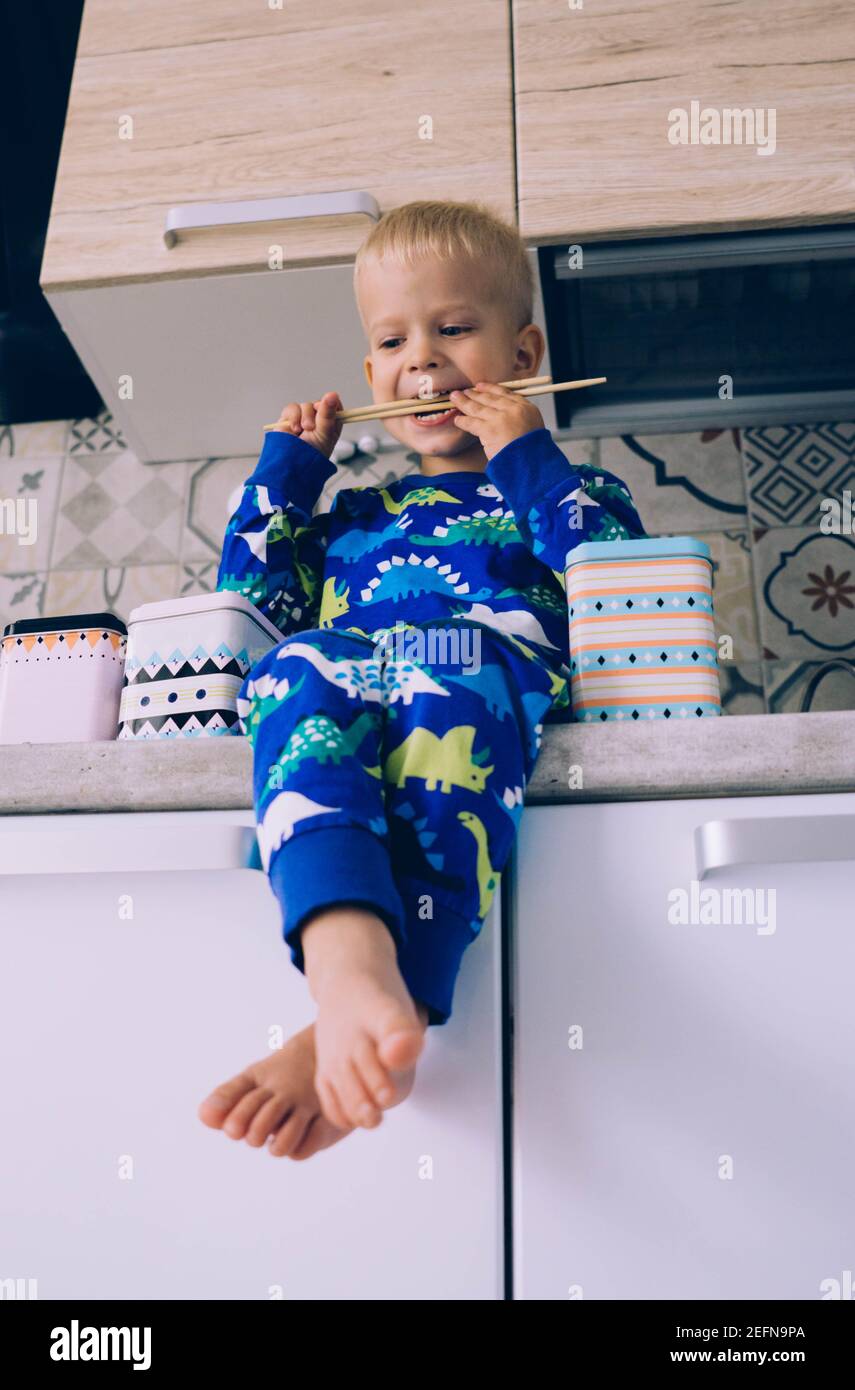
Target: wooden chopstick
{"x":387,"y":410}
{"x":563,"y":386}
{"x":406,"y":406}
{"x":418,"y":408}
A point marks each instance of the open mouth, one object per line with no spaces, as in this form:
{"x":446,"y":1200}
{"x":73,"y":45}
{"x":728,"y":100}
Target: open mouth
{"x":431,"y":418}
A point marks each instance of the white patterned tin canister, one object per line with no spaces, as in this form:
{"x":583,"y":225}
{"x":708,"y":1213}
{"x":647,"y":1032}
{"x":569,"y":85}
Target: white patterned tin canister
{"x":187,"y":658}
{"x":642,"y":640}
{"x":61,"y":678}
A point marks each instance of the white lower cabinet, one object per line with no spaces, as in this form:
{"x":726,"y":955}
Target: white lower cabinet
{"x":682,"y":1118}
{"x":141,"y":963}
{"x":684,"y":1091}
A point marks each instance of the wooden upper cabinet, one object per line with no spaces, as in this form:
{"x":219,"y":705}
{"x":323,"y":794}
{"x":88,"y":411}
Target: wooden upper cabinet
{"x":231,"y":100}
{"x":596,"y":88}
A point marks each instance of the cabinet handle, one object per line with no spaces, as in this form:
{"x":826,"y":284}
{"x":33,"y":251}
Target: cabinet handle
{"x":725,"y":844}
{"x":190,"y":216}
{"x":154,"y":848}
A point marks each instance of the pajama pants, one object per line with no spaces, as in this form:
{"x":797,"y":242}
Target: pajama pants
{"x":393,"y":783}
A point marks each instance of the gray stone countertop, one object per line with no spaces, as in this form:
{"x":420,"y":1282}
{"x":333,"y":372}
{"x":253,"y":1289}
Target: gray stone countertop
{"x":740,"y":755}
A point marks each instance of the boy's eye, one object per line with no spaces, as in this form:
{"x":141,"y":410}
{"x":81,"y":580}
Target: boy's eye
{"x":450,"y":328}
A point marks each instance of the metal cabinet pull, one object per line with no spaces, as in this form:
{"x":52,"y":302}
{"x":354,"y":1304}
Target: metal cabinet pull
{"x":191,"y":216}
{"x":725,"y":844}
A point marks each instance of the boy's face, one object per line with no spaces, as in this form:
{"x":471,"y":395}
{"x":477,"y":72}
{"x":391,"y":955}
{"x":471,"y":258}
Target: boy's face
{"x":434,"y":328}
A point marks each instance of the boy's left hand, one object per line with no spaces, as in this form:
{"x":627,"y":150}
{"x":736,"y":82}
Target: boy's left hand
{"x":494,"y":414}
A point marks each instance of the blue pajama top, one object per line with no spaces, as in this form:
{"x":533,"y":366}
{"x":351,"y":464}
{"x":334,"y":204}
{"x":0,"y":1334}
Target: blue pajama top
{"x":486,"y":548}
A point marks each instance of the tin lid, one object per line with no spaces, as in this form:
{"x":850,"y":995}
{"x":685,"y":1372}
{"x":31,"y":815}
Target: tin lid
{"x":219,"y":600}
{"x":647,"y":548}
{"x":66,"y":623}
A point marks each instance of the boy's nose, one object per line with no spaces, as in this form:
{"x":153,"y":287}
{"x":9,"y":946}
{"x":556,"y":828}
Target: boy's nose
{"x":425,"y":355}
{"x":425,"y":360}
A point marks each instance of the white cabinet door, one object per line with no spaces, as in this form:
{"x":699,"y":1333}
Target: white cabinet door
{"x":196,"y":368}
{"x":698,"y":1144}
{"x":114,"y":1028}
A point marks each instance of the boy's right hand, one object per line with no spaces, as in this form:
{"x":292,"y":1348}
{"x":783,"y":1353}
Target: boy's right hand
{"x":313,"y":421}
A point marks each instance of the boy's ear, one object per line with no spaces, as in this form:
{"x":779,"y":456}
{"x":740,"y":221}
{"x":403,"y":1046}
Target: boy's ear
{"x":368,"y":367}
{"x":531,"y":346}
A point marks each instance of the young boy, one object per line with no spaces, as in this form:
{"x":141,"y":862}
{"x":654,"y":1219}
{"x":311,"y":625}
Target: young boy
{"x":389,"y":767}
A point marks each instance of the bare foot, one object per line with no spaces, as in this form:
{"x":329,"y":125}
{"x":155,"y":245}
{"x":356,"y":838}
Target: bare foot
{"x":275,"y":1100}
{"x":369,"y":1031}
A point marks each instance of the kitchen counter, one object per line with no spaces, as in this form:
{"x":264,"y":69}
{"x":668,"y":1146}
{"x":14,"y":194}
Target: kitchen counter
{"x":741,"y":755}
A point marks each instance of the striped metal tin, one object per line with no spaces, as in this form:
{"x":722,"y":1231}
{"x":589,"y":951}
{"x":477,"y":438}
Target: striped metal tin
{"x":642,"y":640}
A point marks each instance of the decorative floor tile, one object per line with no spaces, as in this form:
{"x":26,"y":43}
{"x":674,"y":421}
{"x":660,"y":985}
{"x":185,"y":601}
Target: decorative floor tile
{"x":681,"y":483}
{"x":112,"y":590}
{"x":789,"y":469}
{"x":114,"y":510}
{"x":29,"y":492}
{"x":101,"y":436}
{"x":21,"y":596}
{"x":34,"y":441}
{"x":787,"y":681}
{"x":805,"y":585}
{"x":741,"y":687}
{"x":197,"y":577}
{"x":209,"y":491}
{"x":734,"y":605}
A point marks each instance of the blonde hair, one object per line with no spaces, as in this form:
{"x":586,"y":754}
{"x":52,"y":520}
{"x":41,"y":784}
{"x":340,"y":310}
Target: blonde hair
{"x":450,"y":231}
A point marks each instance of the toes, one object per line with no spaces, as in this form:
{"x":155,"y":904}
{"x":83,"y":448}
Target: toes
{"x":330,"y":1103}
{"x":215,"y":1108}
{"x":374,"y":1076}
{"x":245,"y":1111}
{"x":291,"y":1134}
{"x":399,"y":1040}
{"x":355,"y":1099}
{"x":320,"y":1134}
{"x":268,"y":1119}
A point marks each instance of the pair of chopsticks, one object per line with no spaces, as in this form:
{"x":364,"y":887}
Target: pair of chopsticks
{"x":390,"y":410}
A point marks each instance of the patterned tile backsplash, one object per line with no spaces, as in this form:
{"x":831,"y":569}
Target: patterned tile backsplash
{"x":97,"y":530}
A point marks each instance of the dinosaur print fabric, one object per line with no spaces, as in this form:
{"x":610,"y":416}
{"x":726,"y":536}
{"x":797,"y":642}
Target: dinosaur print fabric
{"x":394,"y":780}
{"x":485,"y":548}
{"x":394,"y":783}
